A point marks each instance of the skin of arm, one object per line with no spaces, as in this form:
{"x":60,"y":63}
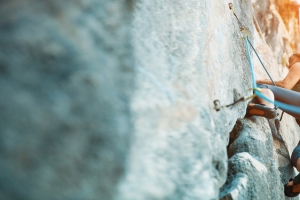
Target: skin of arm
{"x":289,"y":81}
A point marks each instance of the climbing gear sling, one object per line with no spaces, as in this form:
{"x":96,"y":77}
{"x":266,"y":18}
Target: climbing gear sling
{"x":256,"y":90}
{"x":284,"y":99}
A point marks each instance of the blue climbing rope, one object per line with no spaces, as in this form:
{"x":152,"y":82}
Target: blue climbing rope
{"x":261,"y":61}
{"x":283,"y":106}
{"x":286,"y":107}
{"x":250,"y":60}
{"x":256,"y":91}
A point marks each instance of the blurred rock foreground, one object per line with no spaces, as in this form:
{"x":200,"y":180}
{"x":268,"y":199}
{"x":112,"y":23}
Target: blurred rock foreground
{"x":105,"y":100}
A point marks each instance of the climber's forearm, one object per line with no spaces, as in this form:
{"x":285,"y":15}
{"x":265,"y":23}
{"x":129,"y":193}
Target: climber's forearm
{"x":269,"y":82}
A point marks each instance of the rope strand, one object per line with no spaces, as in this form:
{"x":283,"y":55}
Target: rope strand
{"x":261,"y":61}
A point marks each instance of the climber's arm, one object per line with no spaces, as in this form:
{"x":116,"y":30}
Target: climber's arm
{"x":292,"y":77}
{"x":281,"y":83}
{"x":289,"y":81}
{"x":268,"y":82}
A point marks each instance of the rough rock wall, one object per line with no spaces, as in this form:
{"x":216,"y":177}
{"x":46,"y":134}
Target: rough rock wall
{"x":66,"y":76}
{"x":273,"y":29}
{"x":114,"y":100}
{"x":256,"y":158}
{"x":289,"y":12}
{"x":251,"y":166}
{"x":184,"y":63}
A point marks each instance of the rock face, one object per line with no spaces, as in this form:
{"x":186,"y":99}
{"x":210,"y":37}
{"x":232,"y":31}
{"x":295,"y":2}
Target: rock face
{"x":183,"y":65}
{"x":66,"y":78}
{"x":251,"y":166}
{"x":115,"y":100}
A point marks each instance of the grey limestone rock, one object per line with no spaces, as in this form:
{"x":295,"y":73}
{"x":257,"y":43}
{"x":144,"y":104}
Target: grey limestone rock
{"x":104,"y":100}
{"x":252,"y":171}
{"x":65,"y":84}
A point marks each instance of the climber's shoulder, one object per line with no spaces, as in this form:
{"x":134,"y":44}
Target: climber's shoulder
{"x":296,"y":65}
{"x":295,"y":68}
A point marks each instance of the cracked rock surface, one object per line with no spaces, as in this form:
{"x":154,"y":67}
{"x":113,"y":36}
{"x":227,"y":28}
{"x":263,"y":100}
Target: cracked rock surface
{"x":114,"y":100}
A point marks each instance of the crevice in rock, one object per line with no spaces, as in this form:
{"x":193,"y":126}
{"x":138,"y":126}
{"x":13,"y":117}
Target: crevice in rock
{"x":233,"y":135}
{"x":235,"y":181}
{"x":285,"y":168}
{"x":250,"y":163}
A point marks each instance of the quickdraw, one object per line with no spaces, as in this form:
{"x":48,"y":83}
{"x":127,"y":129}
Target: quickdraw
{"x":256,"y":91}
